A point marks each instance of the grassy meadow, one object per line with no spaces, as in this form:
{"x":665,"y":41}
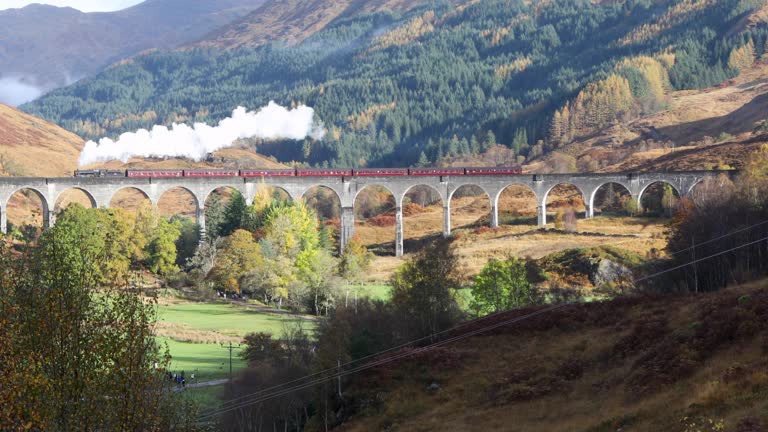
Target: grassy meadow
{"x":196,"y":333}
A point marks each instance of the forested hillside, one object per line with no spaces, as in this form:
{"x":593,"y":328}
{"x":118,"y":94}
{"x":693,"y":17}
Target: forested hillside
{"x":440,"y":80}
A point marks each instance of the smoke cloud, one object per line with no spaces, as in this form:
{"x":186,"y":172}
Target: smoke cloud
{"x":14,"y":91}
{"x":271,"y":122}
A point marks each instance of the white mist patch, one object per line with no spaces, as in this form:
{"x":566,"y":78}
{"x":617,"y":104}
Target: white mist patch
{"x":271,"y":122}
{"x":14,"y":91}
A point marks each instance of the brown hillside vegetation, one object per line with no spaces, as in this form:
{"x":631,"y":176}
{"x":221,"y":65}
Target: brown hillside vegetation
{"x":292,"y":21}
{"x":30,"y":146}
{"x":655,"y":363}
{"x":700,"y":129}
{"x":232,"y":158}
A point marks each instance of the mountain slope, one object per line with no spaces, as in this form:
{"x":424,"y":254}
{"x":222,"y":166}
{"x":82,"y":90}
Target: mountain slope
{"x":292,"y":21}
{"x":699,"y":129}
{"x":660,"y":363}
{"x":47,"y":47}
{"x":437,"y":81}
{"x":33,"y":147}
{"x":30,"y":146}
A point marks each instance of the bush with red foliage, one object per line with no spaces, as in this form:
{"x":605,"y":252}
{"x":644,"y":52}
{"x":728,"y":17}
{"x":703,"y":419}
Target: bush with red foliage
{"x":382,"y":220}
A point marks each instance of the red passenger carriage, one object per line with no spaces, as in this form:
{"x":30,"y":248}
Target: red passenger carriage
{"x":494,"y":171}
{"x":211,"y":173}
{"x":154,"y":173}
{"x":436,"y":171}
{"x":380,"y":172}
{"x":268,"y":173}
{"x":324,"y":173}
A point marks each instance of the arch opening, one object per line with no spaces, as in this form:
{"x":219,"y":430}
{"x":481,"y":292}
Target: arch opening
{"x":73,"y":196}
{"x":326,"y":204}
{"x":26,"y":214}
{"x":422,"y":208}
{"x":517,"y":205}
{"x":129,"y":198}
{"x":613,"y":199}
{"x":712,"y":191}
{"x":375,"y":219}
{"x":324,"y":201}
{"x":659,"y":199}
{"x":217,"y":205}
{"x":470,"y":207}
{"x":564,"y":204}
{"x":267,"y":193}
{"x":178,"y":202}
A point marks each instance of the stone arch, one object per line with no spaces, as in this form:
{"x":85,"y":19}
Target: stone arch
{"x":591,"y":204}
{"x":645,"y":188}
{"x":643,"y":204}
{"x":321,"y":208}
{"x":484,"y":213}
{"x":517,"y":214}
{"x":89,"y":196}
{"x":376,"y":216}
{"x":211,"y":213}
{"x":711,"y":191}
{"x":411,"y":188}
{"x":453,"y":192}
{"x":562,"y":185}
{"x":127,"y":188}
{"x":381,"y":185}
{"x":192,"y":202}
{"x":44,"y":218}
{"x":275,"y":190}
{"x":693,"y":185}
{"x":420,"y":218}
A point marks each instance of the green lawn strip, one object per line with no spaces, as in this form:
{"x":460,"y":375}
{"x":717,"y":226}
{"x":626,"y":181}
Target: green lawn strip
{"x":207,"y":361}
{"x":376,"y":291}
{"x":227,"y":319}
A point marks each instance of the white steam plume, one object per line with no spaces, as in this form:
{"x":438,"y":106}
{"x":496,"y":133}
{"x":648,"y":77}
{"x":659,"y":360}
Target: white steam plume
{"x":270,"y":122}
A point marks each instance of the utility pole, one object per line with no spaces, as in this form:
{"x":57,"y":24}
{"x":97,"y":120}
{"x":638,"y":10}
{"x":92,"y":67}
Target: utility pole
{"x":230,"y":348}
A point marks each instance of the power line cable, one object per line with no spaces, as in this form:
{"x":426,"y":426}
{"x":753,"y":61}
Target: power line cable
{"x":383,"y":361}
{"x":721,"y":237}
{"x":357,"y":360}
{"x":699,"y":260}
{"x":279,"y":393}
{"x":412,"y":342}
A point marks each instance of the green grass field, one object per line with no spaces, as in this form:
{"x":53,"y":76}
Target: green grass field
{"x":210,"y":361}
{"x":227,"y":319}
{"x":207,"y":361}
{"x":376,"y":291}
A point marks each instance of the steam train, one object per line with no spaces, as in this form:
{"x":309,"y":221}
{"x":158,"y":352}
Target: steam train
{"x":300,"y":172}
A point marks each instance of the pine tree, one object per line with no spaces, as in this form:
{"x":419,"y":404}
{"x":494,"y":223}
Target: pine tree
{"x":423,"y":160}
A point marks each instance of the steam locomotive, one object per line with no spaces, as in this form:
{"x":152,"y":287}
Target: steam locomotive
{"x":299,"y":172}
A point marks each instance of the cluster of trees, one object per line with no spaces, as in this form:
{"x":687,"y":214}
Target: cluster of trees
{"x":78,"y":349}
{"x":279,"y":251}
{"x":425,"y":302}
{"x":133,"y":240}
{"x":436,"y":82}
{"x":722,"y":216}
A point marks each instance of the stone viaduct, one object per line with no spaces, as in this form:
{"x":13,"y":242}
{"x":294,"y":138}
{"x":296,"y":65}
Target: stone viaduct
{"x":101,"y":191}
